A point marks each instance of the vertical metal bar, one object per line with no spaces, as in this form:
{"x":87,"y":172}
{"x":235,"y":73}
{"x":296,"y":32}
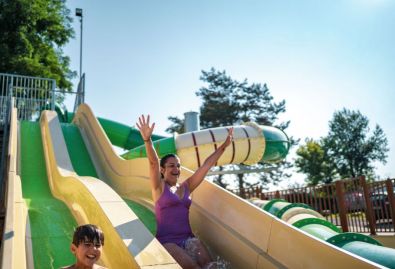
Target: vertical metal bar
{"x":369,"y":211}
{"x":320,"y":205}
{"x":293,"y":197}
{"x":360,"y":227}
{"x":341,"y":205}
{"x":303,"y":195}
{"x":391,"y":200}
{"x":30,"y":91}
{"x":383,"y":208}
{"x":53,"y":84}
{"x":331,"y":204}
{"x":350,"y":209}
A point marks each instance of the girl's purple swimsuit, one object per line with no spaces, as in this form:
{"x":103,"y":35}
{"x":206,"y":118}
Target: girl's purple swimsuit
{"x":172,"y":217}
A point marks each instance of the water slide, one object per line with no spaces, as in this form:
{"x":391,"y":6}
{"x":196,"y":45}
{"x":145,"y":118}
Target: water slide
{"x":237,"y":231}
{"x":47,"y":199}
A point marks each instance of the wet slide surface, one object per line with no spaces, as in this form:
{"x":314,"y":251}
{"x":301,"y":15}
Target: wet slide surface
{"x":51,"y":222}
{"x":83,"y":166}
{"x":78,"y":152}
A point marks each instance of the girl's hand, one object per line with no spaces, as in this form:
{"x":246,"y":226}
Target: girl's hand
{"x":229,"y":138}
{"x":144,"y":127}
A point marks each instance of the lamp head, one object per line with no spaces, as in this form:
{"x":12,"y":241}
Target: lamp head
{"x":78,"y":12}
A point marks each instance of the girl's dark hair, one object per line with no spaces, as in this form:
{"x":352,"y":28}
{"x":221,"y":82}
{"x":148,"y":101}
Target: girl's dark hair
{"x":88,"y":233}
{"x":164,"y":159}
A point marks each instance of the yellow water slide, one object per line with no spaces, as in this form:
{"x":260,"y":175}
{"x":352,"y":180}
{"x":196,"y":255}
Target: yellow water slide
{"x":237,"y":231}
{"x":128,"y":243}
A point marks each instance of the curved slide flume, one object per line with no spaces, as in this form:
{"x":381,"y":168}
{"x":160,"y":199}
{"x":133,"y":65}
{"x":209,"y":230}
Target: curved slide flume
{"x":120,"y":135}
{"x":237,"y":231}
{"x":311,"y":222}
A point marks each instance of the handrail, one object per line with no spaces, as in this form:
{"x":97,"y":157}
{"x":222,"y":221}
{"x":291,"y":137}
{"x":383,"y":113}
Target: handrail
{"x":4,"y":153}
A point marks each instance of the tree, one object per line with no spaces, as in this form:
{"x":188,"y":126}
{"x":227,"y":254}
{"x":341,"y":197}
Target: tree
{"x":350,"y":147}
{"x":32,"y":34}
{"x":315,"y":163}
{"x":347,"y":150}
{"x":226,"y":102}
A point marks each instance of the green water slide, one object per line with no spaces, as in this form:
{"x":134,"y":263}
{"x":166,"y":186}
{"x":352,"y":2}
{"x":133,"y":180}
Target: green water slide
{"x":51,"y":222}
{"x":309,"y":221}
{"x":120,"y":135}
{"x":83,"y":166}
{"x":276,"y":141}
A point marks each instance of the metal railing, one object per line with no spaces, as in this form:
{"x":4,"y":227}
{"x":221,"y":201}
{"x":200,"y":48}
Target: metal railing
{"x":31,"y":95}
{"x":4,"y":150}
{"x":353,"y":204}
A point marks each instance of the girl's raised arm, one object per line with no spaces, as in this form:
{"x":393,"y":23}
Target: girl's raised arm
{"x":146,"y":131}
{"x":197,"y":178}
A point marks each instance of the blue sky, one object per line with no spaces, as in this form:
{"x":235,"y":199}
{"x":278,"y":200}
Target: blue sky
{"x":320,"y":56}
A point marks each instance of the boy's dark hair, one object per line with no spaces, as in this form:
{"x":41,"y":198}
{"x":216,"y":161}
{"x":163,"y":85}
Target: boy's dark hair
{"x":88,"y":233}
{"x":164,"y":159}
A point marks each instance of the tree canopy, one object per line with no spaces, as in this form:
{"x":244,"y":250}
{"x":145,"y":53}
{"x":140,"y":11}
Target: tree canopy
{"x":225,"y":102}
{"x":32,"y":34}
{"x":349,"y":149}
{"x":314,"y":162}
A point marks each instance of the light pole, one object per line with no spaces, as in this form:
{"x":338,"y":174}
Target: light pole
{"x":78,"y":13}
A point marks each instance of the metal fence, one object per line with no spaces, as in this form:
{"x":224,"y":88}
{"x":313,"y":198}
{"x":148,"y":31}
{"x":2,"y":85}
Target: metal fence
{"x":353,"y":204}
{"x":31,"y":95}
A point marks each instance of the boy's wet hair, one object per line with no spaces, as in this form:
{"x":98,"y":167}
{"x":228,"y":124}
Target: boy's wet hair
{"x":88,"y":233}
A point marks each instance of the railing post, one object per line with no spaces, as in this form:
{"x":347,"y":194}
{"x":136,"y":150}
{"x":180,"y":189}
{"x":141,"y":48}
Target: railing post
{"x":258,"y":191}
{"x":391,"y":199}
{"x":341,"y":205}
{"x":53,"y":95}
{"x":242,"y":193}
{"x":369,"y":210}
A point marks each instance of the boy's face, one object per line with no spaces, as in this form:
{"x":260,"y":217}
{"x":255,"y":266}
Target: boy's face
{"x":87,"y":253}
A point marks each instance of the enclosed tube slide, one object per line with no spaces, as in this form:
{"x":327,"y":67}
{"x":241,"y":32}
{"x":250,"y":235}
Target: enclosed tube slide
{"x":251,"y":144}
{"x":306,"y":219}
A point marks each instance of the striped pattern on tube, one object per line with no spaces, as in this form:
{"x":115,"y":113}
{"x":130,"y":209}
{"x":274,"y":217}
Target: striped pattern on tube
{"x":248,"y":145}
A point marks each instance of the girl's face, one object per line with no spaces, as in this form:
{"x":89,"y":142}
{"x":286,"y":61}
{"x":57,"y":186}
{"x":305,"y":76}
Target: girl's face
{"x":171,"y":171}
{"x":87,"y":253}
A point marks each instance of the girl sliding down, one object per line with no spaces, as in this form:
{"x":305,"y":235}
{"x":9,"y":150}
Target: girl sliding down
{"x":172,"y":200}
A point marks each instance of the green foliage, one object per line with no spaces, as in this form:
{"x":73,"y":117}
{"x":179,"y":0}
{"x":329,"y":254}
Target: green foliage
{"x":348,"y":143}
{"x":32,"y":34}
{"x":315,"y":163}
{"x":347,"y":150}
{"x":177,"y":125}
{"x":226,"y":102}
